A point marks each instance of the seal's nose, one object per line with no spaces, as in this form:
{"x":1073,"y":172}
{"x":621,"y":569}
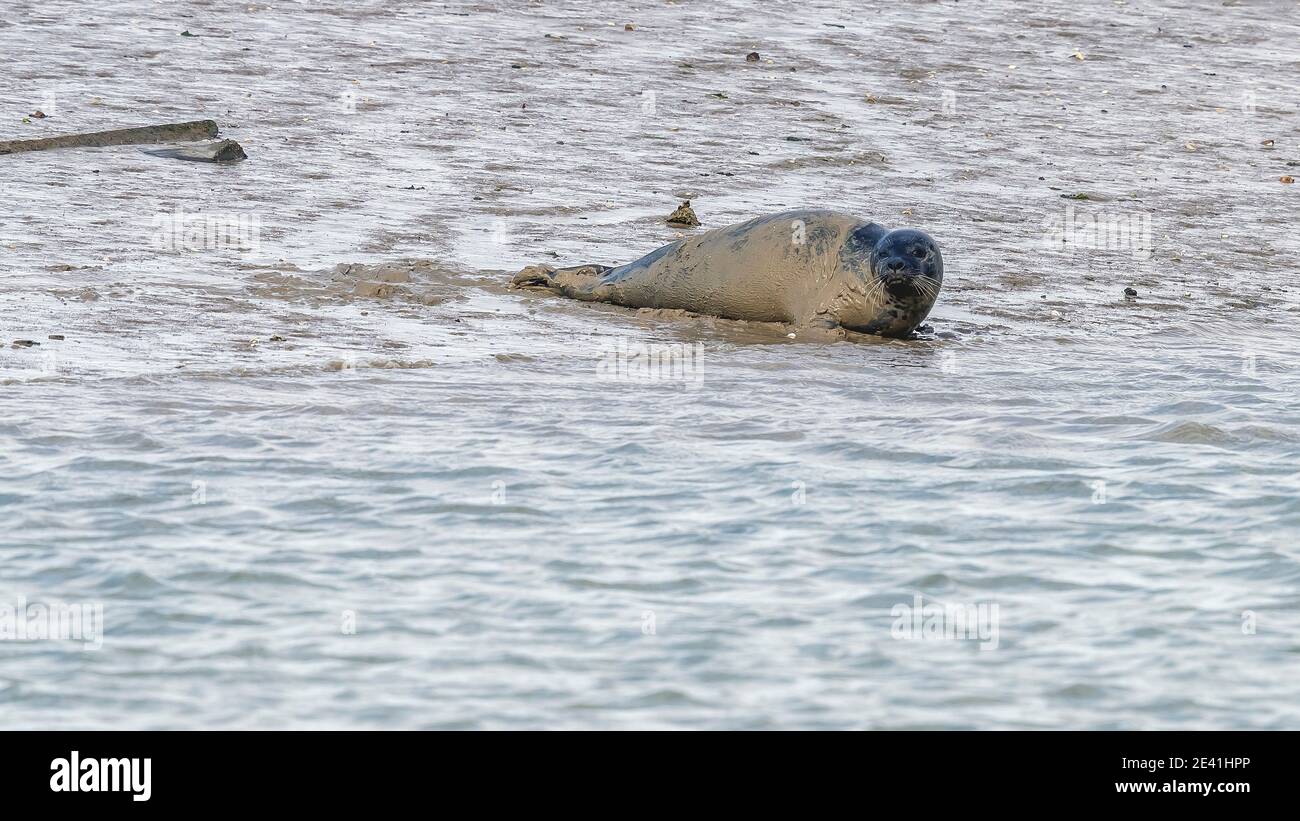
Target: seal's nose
{"x":895,"y":265}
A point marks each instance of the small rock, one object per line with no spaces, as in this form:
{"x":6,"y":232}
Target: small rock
{"x":752,"y":57}
{"x":684,"y":215}
{"x":37,"y":115}
{"x":220,"y":151}
{"x":25,"y":343}
{"x":1286,"y":179}
{"x":629,"y":27}
{"x":1130,"y":292}
{"x":1266,"y":142}
{"x":57,"y":337}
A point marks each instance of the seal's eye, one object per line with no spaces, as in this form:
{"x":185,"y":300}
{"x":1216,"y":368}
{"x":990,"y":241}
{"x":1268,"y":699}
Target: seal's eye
{"x":919,"y":253}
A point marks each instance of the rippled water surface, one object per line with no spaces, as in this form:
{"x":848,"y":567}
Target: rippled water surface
{"x":345,"y":478}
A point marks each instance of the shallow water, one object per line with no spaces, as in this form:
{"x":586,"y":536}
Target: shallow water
{"x":344,"y":478}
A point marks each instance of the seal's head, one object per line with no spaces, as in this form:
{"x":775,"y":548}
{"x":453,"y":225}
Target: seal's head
{"x":901,"y":272}
{"x":907,"y":264}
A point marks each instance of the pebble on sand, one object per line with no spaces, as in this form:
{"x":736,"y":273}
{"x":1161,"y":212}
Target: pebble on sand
{"x":1130,"y":292}
{"x":752,"y":57}
{"x":684,"y":215}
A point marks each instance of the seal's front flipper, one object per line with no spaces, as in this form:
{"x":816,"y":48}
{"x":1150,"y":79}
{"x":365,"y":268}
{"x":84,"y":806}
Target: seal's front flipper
{"x":822,"y":327}
{"x":575,"y":283}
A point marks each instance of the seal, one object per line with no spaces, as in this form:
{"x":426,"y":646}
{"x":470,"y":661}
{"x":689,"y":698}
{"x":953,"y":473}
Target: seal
{"x":808,"y":268}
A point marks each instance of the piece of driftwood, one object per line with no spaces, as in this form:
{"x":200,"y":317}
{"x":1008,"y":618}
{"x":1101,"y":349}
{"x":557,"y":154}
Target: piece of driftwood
{"x":167,"y":133}
{"x":221,"y":151}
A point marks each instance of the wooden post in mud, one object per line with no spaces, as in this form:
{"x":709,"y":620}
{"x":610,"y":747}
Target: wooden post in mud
{"x":170,"y":132}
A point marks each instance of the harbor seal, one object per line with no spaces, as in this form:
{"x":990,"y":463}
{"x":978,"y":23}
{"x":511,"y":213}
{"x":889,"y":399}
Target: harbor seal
{"x":807,"y":268}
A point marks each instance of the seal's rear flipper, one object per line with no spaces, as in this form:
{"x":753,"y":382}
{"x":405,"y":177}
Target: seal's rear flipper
{"x":575,"y":282}
{"x":534,"y":276}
